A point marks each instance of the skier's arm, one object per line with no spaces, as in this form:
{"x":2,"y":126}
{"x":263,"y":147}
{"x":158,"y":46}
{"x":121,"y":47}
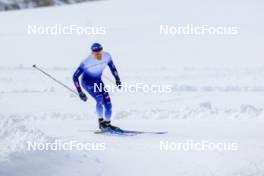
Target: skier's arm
{"x":75,"y":77}
{"x":115,"y":73}
{"x":113,"y":70}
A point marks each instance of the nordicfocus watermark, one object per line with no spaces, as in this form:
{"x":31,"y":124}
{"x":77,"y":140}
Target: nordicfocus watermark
{"x":134,"y":88}
{"x":59,"y":29}
{"x":191,"y":29}
{"x":204,"y":145}
{"x":58,"y":145}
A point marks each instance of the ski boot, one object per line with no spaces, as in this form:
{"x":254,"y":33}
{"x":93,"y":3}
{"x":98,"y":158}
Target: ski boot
{"x":106,"y":126}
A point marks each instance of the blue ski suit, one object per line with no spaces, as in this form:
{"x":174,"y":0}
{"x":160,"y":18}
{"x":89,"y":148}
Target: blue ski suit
{"x":91,"y":70}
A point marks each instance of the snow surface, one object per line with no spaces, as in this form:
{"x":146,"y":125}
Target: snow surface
{"x":217,"y":90}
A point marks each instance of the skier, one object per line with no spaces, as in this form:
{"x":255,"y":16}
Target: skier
{"x":91,"y":70}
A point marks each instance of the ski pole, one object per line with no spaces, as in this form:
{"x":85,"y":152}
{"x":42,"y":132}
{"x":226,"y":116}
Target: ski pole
{"x":54,"y":79}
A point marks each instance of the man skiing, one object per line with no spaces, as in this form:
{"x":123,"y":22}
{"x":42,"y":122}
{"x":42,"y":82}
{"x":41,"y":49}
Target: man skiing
{"x":91,"y":70}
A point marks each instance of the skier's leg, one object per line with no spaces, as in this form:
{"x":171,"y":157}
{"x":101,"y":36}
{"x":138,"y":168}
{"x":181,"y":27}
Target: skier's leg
{"x":108,"y":106}
{"x":108,"y":111}
{"x":102,"y":99}
{"x":98,"y":98}
{"x":106,"y":102}
{"x":99,"y":105}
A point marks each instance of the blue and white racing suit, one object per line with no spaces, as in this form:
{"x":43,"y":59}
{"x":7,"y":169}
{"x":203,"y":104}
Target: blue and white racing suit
{"x":91,"y":70}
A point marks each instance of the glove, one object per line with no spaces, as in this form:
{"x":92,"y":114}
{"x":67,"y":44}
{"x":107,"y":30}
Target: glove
{"x":82,"y":96}
{"x":118,"y":84}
